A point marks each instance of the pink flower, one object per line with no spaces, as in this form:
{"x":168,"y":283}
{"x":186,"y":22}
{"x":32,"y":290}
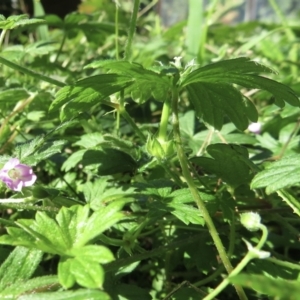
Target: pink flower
{"x":16,"y":175}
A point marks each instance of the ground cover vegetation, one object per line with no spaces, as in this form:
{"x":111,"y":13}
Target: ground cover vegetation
{"x":128,"y":168}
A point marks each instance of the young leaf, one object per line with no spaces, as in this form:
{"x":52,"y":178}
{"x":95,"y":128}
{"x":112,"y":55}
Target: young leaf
{"x":87,"y":92}
{"x":279,"y":174}
{"x":18,"y":20}
{"x":278,"y":288}
{"x":230,"y":162}
{"x":146,"y":84}
{"x":211,"y":83}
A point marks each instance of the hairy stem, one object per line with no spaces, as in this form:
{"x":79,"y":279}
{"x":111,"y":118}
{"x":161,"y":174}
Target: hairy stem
{"x":30,"y":73}
{"x":193,"y":189}
{"x":244,"y":262}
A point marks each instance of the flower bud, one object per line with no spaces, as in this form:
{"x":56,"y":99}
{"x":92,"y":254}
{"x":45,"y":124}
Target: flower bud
{"x":160,"y":149}
{"x":251,"y":221}
{"x":255,"y":128}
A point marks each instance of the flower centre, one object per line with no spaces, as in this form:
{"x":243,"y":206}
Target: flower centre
{"x":14,"y":174}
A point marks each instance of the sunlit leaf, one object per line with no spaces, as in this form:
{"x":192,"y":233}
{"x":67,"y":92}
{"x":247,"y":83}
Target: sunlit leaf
{"x":274,"y":287}
{"x":211,"y":91}
{"x":19,"y":266}
{"x":88,"y":92}
{"x":146,"y":84}
{"x":279,"y":174}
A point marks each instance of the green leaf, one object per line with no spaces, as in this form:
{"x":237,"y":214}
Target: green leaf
{"x":175,"y":203}
{"x":213,"y":102}
{"x":65,"y":276}
{"x":87,"y":273}
{"x":101,"y":220}
{"x":13,"y":95}
{"x":88,"y":92}
{"x":230,"y":162}
{"x":109,"y":161}
{"x":225,"y":71}
{"x":48,"y":235}
{"x":146,"y":84}
{"x":71,"y":221}
{"x":68,"y":295}
{"x":279,"y":174}
{"x":94,"y":190}
{"x":278,"y":288}
{"x":38,"y":149}
{"x":72,"y":229}
{"x":17,"y":237}
{"x":44,"y":283}
{"x":46,"y":150}
{"x":290,"y":200}
{"x":94,"y":253}
{"x":211,"y":92}
{"x":186,"y":213}
{"x":73,"y":160}
{"x":90,"y":140}
{"x":129,"y":292}
{"x":19,"y":20}
{"x":19,"y":266}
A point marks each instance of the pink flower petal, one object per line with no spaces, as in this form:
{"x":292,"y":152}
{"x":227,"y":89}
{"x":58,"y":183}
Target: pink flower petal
{"x":11,"y":164}
{"x":16,"y":175}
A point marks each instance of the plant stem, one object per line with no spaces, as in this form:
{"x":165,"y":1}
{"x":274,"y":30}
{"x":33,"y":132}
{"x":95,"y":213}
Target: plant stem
{"x":117,"y":30}
{"x":127,"y":117}
{"x":2,"y":35}
{"x":61,"y":47}
{"x":163,"y":127}
{"x":31,"y":73}
{"x":193,"y":189}
{"x":211,"y":277}
{"x":131,"y":29}
{"x":243,"y":263}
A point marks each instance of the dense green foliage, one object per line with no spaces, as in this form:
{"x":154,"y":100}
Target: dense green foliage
{"x":150,"y":184}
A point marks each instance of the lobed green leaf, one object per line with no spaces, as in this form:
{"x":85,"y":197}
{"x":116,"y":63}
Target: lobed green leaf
{"x":88,"y":92}
{"x":146,"y":84}
{"x":211,"y":92}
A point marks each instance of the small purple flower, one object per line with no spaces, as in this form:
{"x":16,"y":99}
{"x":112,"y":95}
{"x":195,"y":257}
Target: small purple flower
{"x":16,"y":175}
{"x":255,"y":127}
